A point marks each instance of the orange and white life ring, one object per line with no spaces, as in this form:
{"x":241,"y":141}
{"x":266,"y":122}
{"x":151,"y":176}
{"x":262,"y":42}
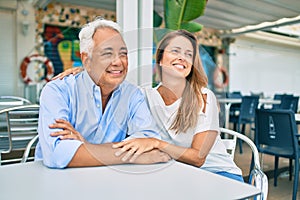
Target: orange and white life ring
{"x":36,"y":58}
{"x":221,"y":78}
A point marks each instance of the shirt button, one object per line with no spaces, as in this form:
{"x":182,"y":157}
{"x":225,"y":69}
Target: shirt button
{"x":98,"y":106}
{"x":91,"y":97}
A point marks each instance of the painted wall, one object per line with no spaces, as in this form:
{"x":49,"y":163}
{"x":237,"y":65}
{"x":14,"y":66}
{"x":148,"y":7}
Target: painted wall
{"x":261,"y":65}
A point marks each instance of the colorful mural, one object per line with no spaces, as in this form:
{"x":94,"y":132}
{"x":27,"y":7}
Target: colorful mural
{"x":57,"y":31}
{"x":61,"y":46}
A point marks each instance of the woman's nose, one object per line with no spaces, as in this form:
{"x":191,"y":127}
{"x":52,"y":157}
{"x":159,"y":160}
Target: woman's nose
{"x":181,"y":56}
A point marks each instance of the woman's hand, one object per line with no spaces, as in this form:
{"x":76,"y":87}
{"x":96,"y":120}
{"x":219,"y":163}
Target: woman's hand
{"x":154,"y":156}
{"x":135,"y":147}
{"x":74,"y":70}
{"x":68,"y":131}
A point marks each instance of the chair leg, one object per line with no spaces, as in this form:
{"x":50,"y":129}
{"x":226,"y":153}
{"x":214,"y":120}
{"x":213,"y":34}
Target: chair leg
{"x":240,"y":141}
{"x":251,"y":164}
{"x":275,"y":170}
{"x":235,"y":126}
{"x":296,"y":177}
{"x":290,"y":168}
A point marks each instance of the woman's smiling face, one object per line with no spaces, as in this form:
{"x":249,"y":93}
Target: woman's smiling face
{"x":178,"y":57}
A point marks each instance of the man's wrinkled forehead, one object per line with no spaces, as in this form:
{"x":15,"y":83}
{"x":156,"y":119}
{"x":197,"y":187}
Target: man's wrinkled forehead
{"x":108,"y":38}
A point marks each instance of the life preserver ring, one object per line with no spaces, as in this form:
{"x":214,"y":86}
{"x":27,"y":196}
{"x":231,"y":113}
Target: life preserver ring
{"x":221,"y":78}
{"x":39,"y":58}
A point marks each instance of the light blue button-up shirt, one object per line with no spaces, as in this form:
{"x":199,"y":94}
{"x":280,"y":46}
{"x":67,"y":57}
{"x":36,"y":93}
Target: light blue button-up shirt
{"x":78,"y":100}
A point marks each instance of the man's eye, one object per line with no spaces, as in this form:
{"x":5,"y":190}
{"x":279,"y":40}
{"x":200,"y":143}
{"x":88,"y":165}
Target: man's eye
{"x":123,"y":53}
{"x":175,"y":51}
{"x":106,"y":54}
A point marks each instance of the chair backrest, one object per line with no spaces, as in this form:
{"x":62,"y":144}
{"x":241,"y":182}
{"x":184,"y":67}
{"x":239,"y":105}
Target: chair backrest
{"x":257,"y":177}
{"x":280,"y":97}
{"x":247,"y":110}
{"x":275,"y":130}
{"x":29,"y":146}
{"x":289,"y":103}
{"x":16,"y":98}
{"x":234,"y":95}
{"x":20,"y":127}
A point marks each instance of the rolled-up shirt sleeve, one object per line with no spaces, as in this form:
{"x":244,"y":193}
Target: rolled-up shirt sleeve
{"x":54,"y":105}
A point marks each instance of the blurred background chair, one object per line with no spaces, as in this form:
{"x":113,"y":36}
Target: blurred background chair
{"x":15,"y":99}
{"x":280,"y":97}
{"x":31,"y":144}
{"x":276,"y":134}
{"x":234,"y":108}
{"x":289,"y":103}
{"x":256,"y":177}
{"x":246,"y":115}
{"x":19,"y":127}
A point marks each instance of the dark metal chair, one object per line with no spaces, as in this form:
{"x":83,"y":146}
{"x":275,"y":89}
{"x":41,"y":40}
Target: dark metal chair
{"x":276,"y":134}
{"x":234,"y":108}
{"x":19,"y":127}
{"x":247,"y":115}
{"x":290,"y":103}
{"x":280,"y":97}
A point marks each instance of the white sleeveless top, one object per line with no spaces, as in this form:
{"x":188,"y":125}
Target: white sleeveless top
{"x":218,"y":159}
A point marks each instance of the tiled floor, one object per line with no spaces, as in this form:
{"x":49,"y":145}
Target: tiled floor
{"x":284,"y":188}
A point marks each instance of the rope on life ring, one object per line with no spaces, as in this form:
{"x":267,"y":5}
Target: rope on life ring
{"x":223,"y":80}
{"x":39,"y":58}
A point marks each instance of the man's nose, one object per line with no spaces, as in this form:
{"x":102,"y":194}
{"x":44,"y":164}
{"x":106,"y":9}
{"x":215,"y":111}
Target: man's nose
{"x":116,"y":60}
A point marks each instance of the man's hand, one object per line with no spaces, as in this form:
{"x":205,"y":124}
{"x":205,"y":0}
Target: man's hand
{"x":68,"y":131}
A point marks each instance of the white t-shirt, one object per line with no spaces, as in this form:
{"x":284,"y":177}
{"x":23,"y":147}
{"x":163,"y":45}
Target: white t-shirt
{"x":218,"y":159}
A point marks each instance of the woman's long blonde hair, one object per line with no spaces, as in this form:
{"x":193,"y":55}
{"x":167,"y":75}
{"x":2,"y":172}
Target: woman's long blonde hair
{"x":192,"y":99}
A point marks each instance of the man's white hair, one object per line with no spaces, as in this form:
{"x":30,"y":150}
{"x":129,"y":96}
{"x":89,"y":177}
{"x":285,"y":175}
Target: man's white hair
{"x":88,"y":30}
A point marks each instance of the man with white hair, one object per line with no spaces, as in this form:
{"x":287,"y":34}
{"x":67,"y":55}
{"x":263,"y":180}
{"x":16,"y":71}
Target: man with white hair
{"x":82,"y":115}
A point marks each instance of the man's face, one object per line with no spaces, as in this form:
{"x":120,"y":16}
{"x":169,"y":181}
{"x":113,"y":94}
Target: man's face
{"x":108,"y":64}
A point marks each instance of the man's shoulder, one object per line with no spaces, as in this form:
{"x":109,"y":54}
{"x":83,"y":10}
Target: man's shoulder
{"x":61,"y":86}
{"x":127,"y":86}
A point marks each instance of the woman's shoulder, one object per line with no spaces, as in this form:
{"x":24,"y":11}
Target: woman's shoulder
{"x":207,"y":91}
{"x":210,"y":94}
{"x":148,"y":90}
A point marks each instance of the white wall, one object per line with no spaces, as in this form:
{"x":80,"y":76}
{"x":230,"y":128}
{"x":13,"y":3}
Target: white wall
{"x":261,"y":65}
{"x":14,"y":46}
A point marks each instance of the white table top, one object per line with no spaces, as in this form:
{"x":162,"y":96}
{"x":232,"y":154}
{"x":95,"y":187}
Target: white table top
{"x":171,"y":180}
{"x":236,"y":100}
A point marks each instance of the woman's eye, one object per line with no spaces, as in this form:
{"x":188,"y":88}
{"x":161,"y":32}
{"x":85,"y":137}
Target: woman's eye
{"x":175,"y":51}
{"x":189,"y":55}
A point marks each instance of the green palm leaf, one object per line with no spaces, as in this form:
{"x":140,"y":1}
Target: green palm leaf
{"x":182,"y":11}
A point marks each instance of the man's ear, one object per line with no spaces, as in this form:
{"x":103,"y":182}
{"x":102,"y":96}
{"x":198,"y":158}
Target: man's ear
{"x":85,"y":59}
